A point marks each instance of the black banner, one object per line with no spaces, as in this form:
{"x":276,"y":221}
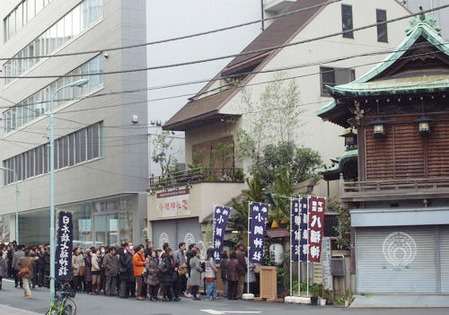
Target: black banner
{"x":63,"y":259}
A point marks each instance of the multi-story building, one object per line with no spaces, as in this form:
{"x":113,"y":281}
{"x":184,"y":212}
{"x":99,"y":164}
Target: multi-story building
{"x":100,"y":129}
{"x":397,"y":184}
{"x":301,"y":46}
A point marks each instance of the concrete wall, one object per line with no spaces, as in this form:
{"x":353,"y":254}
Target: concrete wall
{"x":123,"y":167}
{"x":203,"y":197}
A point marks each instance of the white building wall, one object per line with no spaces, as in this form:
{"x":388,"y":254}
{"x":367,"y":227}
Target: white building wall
{"x":314,"y":133}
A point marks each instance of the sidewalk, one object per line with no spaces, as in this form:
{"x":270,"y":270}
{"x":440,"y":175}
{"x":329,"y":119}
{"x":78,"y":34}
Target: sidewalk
{"x":401,"y":301}
{"x":7,"y":310}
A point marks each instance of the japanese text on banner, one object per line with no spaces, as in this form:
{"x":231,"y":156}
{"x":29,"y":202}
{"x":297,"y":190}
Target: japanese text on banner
{"x":258,"y":214}
{"x":317,"y":207}
{"x":63,"y":259}
{"x":304,"y":229}
{"x":295,"y":233}
{"x":221,"y":216}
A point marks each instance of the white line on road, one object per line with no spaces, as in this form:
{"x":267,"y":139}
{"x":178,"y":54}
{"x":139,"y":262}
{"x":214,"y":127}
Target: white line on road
{"x":214,"y":312}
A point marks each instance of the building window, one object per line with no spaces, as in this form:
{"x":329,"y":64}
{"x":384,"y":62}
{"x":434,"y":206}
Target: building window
{"x":22,"y":14}
{"x":38,"y":103}
{"x":36,"y":161}
{"x":70,"y":26}
{"x":382,"y":34}
{"x":334,"y":76}
{"x":347,"y":22}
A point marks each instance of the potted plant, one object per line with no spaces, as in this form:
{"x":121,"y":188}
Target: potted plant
{"x":315,"y":290}
{"x":325,"y":296}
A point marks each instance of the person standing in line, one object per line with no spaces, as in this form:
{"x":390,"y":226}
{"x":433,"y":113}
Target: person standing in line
{"x":3,"y":268}
{"x":19,"y":253}
{"x":151,"y":279}
{"x":88,"y":274}
{"x":210,"y":275}
{"x":40,"y":266}
{"x":188,"y":257}
{"x":180,"y":284}
{"x":102,"y":275}
{"x":194,"y":280}
{"x":240,"y":252}
{"x":96,"y":270}
{"x":27,"y":261}
{"x":126,"y":271}
{"x":111,"y":268}
{"x":138,"y":267}
{"x":132,"y":281}
{"x":167,"y":270}
{"x":10,"y":255}
{"x":232,"y":273}
{"x":224,"y":281}
{"x":78,"y":268}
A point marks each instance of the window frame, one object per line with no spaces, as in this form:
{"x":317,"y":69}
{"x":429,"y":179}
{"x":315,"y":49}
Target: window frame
{"x":350,"y":18}
{"x":382,"y":27}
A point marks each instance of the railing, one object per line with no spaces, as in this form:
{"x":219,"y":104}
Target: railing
{"x":189,"y":177}
{"x":394,"y":189}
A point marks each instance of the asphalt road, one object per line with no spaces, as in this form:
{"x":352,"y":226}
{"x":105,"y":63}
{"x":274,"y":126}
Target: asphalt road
{"x":95,"y":305}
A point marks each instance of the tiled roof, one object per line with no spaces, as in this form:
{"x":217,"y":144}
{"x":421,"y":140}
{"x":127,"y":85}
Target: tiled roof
{"x":282,"y":30}
{"x":200,"y":109}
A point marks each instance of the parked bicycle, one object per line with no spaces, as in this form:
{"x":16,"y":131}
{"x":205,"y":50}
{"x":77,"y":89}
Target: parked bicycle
{"x":63,"y":304}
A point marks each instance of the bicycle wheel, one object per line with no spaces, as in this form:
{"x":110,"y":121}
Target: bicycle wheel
{"x":52,"y":312}
{"x":69,"y":307}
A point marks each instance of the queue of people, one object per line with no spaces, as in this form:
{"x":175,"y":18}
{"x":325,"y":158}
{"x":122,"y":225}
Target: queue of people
{"x":127,"y":272}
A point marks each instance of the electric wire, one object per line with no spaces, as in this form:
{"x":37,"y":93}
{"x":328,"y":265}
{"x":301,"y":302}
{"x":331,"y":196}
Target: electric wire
{"x":256,"y":51}
{"x":162,"y":41}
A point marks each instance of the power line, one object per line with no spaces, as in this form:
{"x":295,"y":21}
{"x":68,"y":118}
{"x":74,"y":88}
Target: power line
{"x":180,"y":37}
{"x":187,"y":63}
{"x":180,"y":84}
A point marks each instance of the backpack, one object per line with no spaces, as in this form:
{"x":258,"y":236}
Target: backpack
{"x":161,"y":268}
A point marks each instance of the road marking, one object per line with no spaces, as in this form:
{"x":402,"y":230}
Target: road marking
{"x":214,"y":312}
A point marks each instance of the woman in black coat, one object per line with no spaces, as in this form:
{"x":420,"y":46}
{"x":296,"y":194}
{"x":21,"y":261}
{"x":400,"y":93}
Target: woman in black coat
{"x":125,"y":269}
{"x":167,"y":274}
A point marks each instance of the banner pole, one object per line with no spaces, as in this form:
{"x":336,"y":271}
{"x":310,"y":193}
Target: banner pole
{"x":291,"y":247}
{"x":299,"y":254}
{"x":308,"y":248}
{"x":249,"y":227}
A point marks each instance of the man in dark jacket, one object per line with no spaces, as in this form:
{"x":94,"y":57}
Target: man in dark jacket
{"x":240,"y":253}
{"x":15,"y":264}
{"x":111,"y":268}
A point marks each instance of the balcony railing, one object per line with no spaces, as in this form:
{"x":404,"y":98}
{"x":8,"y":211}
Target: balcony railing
{"x":198,"y":175}
{"x":395,"y":189}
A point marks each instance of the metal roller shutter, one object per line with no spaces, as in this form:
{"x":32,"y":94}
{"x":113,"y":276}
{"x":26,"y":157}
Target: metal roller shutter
{"x":189,"y":231}
{"x":396,"y":260}
{"x":164,"y":231}
{"x":176,"y":231}
{"x":444,"y":258}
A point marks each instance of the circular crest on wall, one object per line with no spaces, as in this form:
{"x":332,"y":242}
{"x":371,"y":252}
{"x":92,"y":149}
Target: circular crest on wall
{"x":189,"y":239}
{"x":399,"y":249}
{"x":163,"y":238}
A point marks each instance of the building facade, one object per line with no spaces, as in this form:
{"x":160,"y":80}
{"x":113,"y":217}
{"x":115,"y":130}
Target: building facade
{"x":213,"y":118}
{"x":398,"y":190}
{"x":101,"y":151}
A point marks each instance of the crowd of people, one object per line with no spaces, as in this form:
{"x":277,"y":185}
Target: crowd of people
{"x":140,"y":272}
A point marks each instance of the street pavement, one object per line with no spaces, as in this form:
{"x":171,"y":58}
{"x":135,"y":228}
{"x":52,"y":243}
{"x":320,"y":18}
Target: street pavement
{"x":12,"y":302}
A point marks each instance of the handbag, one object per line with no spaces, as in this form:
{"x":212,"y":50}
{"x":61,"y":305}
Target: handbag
{"x":25,"y":270}
{"x":144,"y":272}
{"x":82,"y":271}
{"x":182,"y":270}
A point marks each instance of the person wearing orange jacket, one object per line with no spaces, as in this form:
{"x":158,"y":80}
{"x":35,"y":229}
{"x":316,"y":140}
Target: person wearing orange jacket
{"x":139,"y":266}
